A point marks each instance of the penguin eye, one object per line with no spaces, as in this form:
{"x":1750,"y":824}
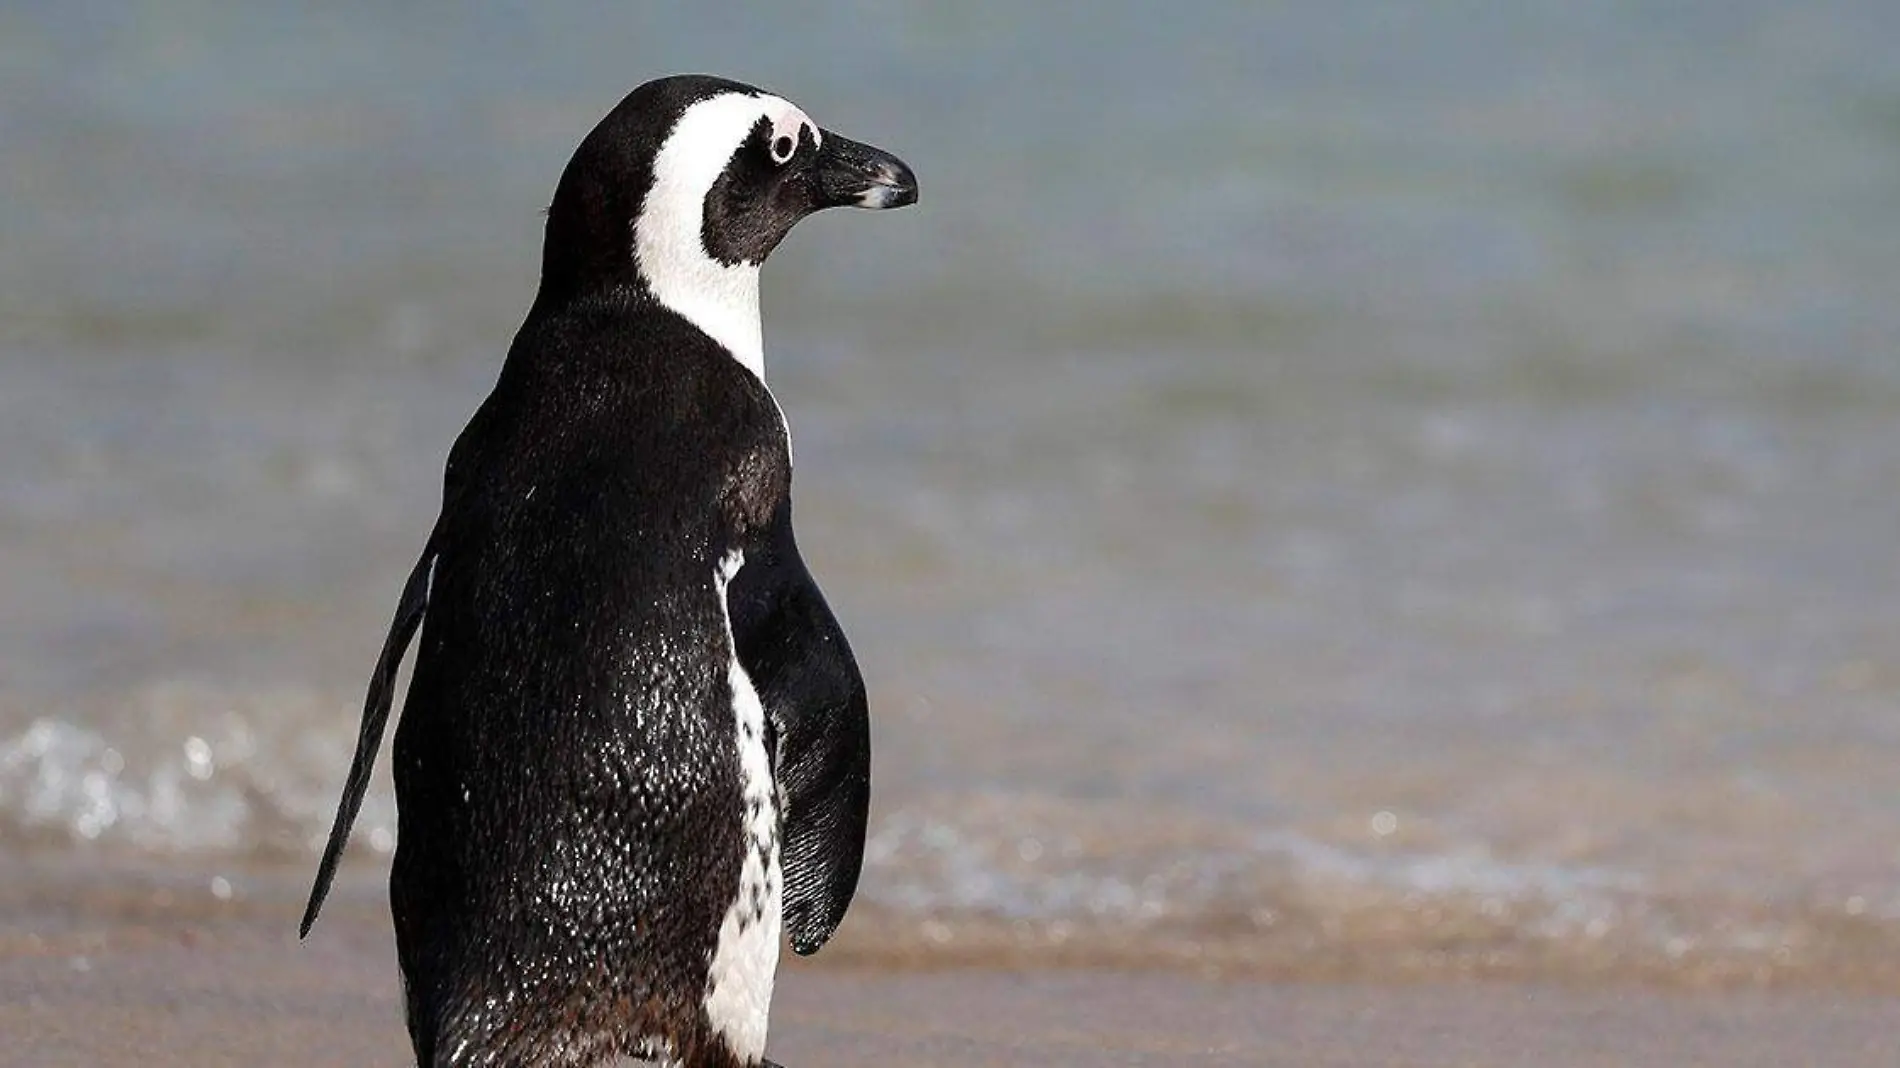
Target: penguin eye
{"x":782,"y":149}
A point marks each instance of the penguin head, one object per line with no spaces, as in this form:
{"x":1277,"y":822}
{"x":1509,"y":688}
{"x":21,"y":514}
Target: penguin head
{"x":685,"y":188}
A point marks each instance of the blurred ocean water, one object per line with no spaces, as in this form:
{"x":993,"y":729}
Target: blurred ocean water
{"x":1436,"y":464}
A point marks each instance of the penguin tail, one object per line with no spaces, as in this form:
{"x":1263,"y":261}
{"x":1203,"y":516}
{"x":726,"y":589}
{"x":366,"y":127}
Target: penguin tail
{"x":369,"y":738}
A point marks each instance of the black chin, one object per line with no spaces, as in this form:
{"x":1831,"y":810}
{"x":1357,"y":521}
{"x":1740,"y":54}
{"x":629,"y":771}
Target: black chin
{"x":745,"y":220}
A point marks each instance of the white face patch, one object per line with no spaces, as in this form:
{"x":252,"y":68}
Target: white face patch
{"x":721,"y":300}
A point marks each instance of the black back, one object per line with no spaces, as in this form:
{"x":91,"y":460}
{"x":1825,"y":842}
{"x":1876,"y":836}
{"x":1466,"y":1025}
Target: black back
{"x":568,"y":829}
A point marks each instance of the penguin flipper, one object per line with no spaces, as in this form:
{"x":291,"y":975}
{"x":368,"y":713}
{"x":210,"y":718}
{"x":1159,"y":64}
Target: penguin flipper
{"x":819,"y":729}
{"x":369,"y":738}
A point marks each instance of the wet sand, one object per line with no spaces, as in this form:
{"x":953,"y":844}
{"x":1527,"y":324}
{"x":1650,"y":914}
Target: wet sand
{"x":245,"y":993}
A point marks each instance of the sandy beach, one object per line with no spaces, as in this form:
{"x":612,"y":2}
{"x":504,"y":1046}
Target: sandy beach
{"x":243,"y":999}
{"x":90,"y":977}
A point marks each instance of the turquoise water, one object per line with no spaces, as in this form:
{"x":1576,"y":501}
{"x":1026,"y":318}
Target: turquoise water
{"x":1290,"y":463}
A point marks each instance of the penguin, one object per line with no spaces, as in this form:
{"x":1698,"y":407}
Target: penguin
{"x":635,"y":749}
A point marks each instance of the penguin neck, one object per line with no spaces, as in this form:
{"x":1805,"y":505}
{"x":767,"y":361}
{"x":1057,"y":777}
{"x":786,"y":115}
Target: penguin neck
{"x":723,"y":303}
{"x":669,"y":252}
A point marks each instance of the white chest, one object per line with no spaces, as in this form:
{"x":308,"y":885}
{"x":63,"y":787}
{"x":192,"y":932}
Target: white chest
{"x":739,"y":979}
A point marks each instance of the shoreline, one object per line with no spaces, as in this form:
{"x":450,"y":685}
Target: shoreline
{"x":242,"y":996}
{"x":76,"y":904}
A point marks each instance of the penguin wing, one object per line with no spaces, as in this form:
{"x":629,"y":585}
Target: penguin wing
{"x":382,"y":687}
{"x":792,"y":647}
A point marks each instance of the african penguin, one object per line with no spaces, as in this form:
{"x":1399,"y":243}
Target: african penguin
{"x":635,"y":750}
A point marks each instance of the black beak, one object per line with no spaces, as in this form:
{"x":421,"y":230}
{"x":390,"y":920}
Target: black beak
{"x":859,"y":176}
